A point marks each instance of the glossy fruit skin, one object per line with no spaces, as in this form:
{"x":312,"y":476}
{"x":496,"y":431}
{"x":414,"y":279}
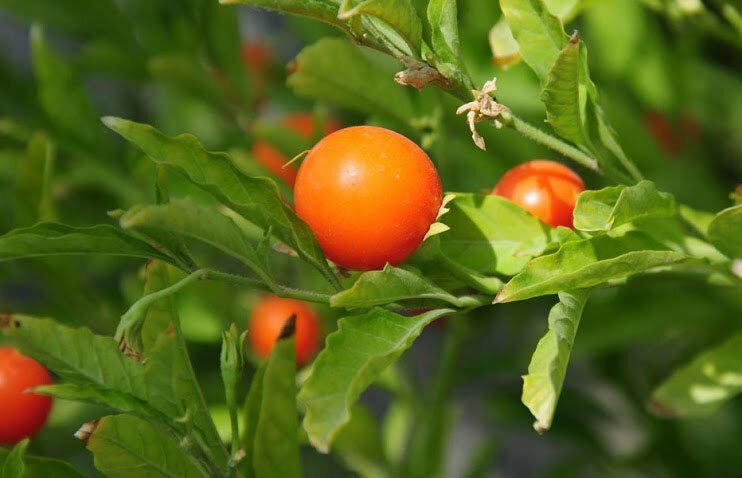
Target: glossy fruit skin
{"x":268,"y":319}
{"x":22,"y":414}
{"x":273,"y":159}
{"x":546,"y":189}
{"x":369,"y":195}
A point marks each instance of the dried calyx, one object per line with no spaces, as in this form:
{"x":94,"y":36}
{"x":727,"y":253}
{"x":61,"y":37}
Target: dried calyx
{"x":484,"y":107}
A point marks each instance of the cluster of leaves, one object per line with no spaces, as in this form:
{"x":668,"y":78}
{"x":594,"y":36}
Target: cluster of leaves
{"x":483,"y":248}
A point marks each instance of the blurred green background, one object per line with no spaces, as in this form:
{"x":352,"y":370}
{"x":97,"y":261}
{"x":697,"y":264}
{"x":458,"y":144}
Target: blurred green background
{"x":669,"y":76}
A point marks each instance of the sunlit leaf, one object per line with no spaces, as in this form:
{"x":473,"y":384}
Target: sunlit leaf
{"x":490,"y":234}
{"x":589,"y":262}
{"x":539,"y":34}
{"x":725,"y":231}
{"x":561,"y":95}
{"x":124,"y":446}
{"x":700,"y":387}
{"x":354,"y":356}
{"x":398,"y":14}
{"x":391,"y":284}
{"x":548,"y":367}
{"x":608,"y":208}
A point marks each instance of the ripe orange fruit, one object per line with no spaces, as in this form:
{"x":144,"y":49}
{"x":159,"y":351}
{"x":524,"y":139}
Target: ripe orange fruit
{"x":369,"y":195}
{"x":546,"y":189}
{"x":22,"y":413}
{"x":270,"y":316}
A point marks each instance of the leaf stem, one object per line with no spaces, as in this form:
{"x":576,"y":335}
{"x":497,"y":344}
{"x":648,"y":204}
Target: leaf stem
{"x":555,"y":144}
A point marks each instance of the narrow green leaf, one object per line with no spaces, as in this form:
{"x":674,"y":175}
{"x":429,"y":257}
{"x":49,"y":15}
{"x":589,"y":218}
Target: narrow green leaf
{"x":700,"y":387}
{"x":324,"y":10}
{"x":125,"y":446}
{"x":48,"y":238}
{"x":41,"y":467}
{"x":63,"y":97}
{"x":257,"y":199}
{"x":391,"y":284}
{"x":561,"y":95}
{"x":186,"y":217}
{"x":401,"y":15}
{"x":354,"y":356}
{"x":271,"y":440}
{"x":608,"y":208}
{"x":725,"y":231}
{"x":337,"y":71}
{"x":33,"y":202}
{"x":539,"y":34}
{"x":162,"y":314}
{"x":585,"y":263}
{"x":13,"y":466}
{"x":543,"y":384}
{"x":490,"y":234}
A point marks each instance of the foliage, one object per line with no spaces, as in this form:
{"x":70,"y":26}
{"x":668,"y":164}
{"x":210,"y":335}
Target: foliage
{"x":133,"y":343}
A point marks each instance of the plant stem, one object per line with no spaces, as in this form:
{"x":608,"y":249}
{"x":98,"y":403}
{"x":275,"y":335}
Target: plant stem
{"x":554,"y":143}
{"x":279,"y":290}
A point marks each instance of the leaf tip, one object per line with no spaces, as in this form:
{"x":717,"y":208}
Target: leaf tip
{"x":289,"y":328}
{"x":110,"y":122}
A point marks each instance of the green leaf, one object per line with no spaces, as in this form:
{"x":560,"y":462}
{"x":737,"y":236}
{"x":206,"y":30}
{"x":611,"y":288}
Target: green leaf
{"x":48,"y":238}
{"x":561,"y":95}
{"x":257,"y":199}
{"x":700,"y":387}
{"x":186,"y":217}
{"x":324,"y":10}
{"x":589,"y":262}
{"x":33,"y":182}
{"x":354,"y":356}
{"x":162,"y":314}
{"x":63,"y":97}
{"x":337,"y":71}
{"x":40,"y":467}
{"x":539,"y":34}
{"x":271,"y":439}
{"x":543,"y":384}
{"x":608,"y":208}
{"x":490,"y":234}
{"x":124,"y":446}
{"x":505,"y":52}
{"x":444,"y":29}
{"x":391,"y":284}
{"x":13,"y":466}
{"x":725,"y":231}
{"x":96,"y":371}
{"x":401,"y":15}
